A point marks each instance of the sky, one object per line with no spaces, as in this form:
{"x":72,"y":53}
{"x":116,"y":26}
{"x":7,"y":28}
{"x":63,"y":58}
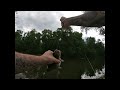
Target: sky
{"x":40,"y":20}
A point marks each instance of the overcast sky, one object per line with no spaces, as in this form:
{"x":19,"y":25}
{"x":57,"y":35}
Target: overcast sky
{"x":40,"y":20}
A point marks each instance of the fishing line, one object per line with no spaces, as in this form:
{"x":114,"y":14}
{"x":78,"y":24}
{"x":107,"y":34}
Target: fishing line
{"x":88,"y":61}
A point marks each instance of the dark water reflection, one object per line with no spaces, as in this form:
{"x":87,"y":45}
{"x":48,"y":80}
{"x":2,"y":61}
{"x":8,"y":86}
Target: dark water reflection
{"x":71,"y":69}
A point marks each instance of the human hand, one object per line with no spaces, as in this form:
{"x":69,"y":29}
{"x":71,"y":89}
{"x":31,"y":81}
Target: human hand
{"x":48,"y":58}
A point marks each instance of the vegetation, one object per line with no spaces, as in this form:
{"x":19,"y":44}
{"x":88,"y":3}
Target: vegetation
{"x":75,"y":51}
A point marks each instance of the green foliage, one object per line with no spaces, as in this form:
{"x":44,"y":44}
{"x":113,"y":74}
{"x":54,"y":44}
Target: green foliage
{"x":73,"y":48}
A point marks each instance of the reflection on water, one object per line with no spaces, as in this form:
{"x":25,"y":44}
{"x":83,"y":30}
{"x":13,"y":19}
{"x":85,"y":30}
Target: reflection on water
{"x":71,"y":69}
{"x":98,"y":75}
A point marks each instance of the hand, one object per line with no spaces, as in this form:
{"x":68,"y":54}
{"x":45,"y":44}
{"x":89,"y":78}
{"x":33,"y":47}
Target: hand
{"x":48,"y":58}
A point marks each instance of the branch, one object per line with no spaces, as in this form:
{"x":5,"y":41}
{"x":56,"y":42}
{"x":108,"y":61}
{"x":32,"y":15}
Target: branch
{"x":88,"y":19}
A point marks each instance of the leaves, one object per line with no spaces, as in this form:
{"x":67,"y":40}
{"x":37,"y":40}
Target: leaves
{"x":73,"y":48}
{"x":69,"y":42}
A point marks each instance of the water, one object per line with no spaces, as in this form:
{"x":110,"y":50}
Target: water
{"x":71,"y":69}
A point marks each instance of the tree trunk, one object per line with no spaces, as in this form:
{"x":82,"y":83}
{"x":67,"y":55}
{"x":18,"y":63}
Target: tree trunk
{"x":88,"y":19}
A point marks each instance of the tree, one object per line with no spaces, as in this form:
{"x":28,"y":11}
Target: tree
{"x":88,"y":19}
{"x":18,"y":40}
{"x":74,"y":49}
{"x":47,"y":39}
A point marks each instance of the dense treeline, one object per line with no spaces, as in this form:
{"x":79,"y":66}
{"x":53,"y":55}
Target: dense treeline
{"x":71,"y":44}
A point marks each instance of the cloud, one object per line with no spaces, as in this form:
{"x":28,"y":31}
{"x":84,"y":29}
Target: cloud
{"x":39,"y":20}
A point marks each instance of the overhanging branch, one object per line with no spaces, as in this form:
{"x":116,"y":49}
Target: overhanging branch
{"x":88,"y":19}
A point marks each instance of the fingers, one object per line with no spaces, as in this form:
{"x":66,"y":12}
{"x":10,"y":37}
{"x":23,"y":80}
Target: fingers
{"x":56,"y":60}
{"x":50,"y":58}
{"x":49,"y":52}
